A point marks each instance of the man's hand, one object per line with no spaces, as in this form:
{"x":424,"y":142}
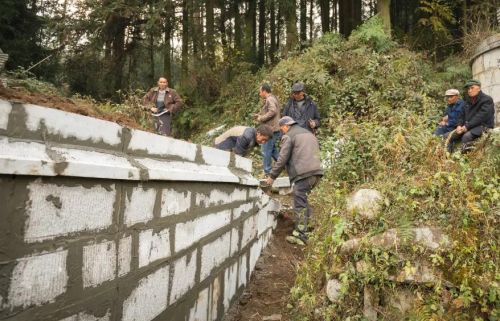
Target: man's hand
{"x":269,"y":180}
{"x":461,"y":129}
{"x":154,"y":109}
{"x":255,"y":116}
{"x":312,"y":123}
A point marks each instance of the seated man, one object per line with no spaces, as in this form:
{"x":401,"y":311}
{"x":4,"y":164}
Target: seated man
{"x":242,"y":139}
{"x":451,"y":114}
{"x":477,"y":116}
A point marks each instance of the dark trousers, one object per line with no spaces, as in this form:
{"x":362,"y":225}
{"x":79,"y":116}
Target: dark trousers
{"x":466,"y":138}
{"x":163,"y":124}
{"x":301,"y":208}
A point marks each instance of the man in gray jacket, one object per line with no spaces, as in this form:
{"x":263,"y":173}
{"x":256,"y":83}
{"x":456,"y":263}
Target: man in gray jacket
{"x":300,"y":155}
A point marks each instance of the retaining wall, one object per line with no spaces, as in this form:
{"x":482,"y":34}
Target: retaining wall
{"x":102,"y":223}
{"x":486,"y":68}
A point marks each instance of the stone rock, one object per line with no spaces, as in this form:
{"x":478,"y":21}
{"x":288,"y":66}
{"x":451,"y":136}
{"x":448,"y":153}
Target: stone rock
{"x":365,"y":202}
{"x":370,"y":303}
{"x":272,"y":317}
{"x":333,"y":290}
{"x":430,"y":237}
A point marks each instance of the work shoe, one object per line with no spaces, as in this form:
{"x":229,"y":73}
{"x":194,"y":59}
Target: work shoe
{"x":300,"y":235}
{"x":295,"y":240}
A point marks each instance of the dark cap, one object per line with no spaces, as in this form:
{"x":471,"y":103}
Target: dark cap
{"x":472,"y":82}
{"x":297,"y":87}
{"x":286,"y":120}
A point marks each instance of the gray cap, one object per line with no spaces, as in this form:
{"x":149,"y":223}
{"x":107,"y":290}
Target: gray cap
{"x":298,"y":86}
{"x":286,"y":120}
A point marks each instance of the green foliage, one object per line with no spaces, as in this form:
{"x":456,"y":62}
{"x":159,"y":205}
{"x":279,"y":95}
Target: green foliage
{"x":372,"y":33}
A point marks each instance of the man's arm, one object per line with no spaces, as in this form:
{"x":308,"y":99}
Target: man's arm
{"x":316,"y":118}
{"x":242,"y":145}
{"x":285,"y":153}
{"x":177,"y":102}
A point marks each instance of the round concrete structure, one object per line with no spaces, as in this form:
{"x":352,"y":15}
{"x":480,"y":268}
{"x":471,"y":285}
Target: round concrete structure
{"x":486,"y":68}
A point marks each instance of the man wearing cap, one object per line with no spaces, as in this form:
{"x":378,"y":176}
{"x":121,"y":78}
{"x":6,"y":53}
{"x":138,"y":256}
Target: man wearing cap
{"x":302,"y":109}
{"x":241,"y":139}
{"x":476,"y":117}
{"x":300,"y":155}
{"x":269,"y":115}
{"x":451,"y":114}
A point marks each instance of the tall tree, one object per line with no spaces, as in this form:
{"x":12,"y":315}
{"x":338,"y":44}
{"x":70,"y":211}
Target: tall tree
{"x":350,"y":14}
{"x":290,"y":16}
{"x":262,"y":33}
{"x":303,"y":22}
{"x":324,"y":11}
{"x":384,"y":11}
{"x":169,"y":22}
{"x":185,"y":40}
{"x":210,"y":36}
{"x":272,"y":27}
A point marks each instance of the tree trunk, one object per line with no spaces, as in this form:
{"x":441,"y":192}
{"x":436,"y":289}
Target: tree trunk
{"x":251,"y":32}
{"x":384,"y":11}
{"x":349,"y":16}
{"x":290,"y":16}
{"x":210,"y":37}
{"x":335,"y":16}
{"x":238,"y":33}
{"x":311,"y":19}
{"x":324,"y":11}
{"x":303,"y":23}
{"x":262,"y":30}
{"x":167,"y":48}
{"x":185,"y":40}
{"x":272,"y":26}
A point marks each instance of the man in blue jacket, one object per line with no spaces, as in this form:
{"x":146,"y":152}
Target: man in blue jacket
{"x":302,"y":109}
{"x":476,"y":117}
{"x":242,"y":139}
{"x":453,"y":110}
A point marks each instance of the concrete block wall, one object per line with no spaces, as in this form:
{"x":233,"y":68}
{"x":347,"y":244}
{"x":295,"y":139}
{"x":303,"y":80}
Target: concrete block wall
{"x":103,"y":223}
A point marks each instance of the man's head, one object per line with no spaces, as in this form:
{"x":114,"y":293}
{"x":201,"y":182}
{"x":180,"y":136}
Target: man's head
{"x":265,"y":90}
{"x":162,"y":83}
{"x":263,"y":133}
{"x":298,"y":91}
{"x":473,"y":87}
{"x":452,"y":96}
{"x":285,"y":123}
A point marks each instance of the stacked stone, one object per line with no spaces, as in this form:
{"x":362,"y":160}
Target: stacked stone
{"x":102,"y":222}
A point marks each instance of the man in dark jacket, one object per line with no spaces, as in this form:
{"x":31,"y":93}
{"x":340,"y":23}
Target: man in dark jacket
{"x":302,"y":109}
{"x":242,"y":139}
{"x":475,"y":119}
{"x":452,"y":112}
{"x":300,"y":155}
{"x":162,"y":102}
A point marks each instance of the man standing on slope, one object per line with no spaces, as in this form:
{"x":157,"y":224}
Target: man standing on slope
{"x":269,"y":115}
{"x":302,"y":109}
{"x":300,"y":155}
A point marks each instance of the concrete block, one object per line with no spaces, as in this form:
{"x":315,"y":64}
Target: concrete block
{"x":230,"y":286}
{"x":173,"y":202}
{"x":214,"y":254}
{"x":242,"y":209}
{"x":60,"y":210}
{"x":87,"y":317}
{"x":22,"y":158}
{"x":249,"y":230}
{"x":68,"y":125}
{"x":99,"y":263}
{"x":199,"y":312}
{"x":82,"y":163}
{"x":235,"y":238}
{"x":184,"y":276}
{"x":5,"y":109}
{"x":217,"y":197}
{"x":153,"y":246}
{"x":242,"y":270}
{"x":248,"y":180}
{"x":255,"y":251}
{"x":255,"y":193}
{"x":139,"y":205}
{"x":157,"y":145}
{"x":243,"y":163}
{"x":124,"y":255}
{"x":282,"y":182}
{"x":478,"y":65}
{"x":262,"y":221}
{"x":149,"y":298}
{"x":216,"y":157}
{"x":184,"y":171}
{"x":38,"y":279}
{"x":214,"y":302}
{"x":186,"y":234}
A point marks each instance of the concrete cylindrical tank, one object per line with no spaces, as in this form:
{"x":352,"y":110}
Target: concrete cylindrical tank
{"x":486,"y":68}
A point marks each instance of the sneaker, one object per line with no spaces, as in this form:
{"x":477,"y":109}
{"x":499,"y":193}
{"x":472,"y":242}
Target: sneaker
{"x":295,"y":240}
